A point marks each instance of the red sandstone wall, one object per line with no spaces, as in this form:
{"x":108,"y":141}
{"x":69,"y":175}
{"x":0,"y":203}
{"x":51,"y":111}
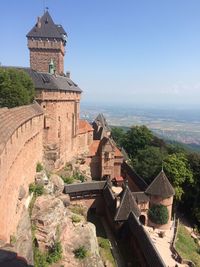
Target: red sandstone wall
{"x":17,"y":168}
{"x":61,"y":124}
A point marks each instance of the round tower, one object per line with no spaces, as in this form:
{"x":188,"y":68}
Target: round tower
{"x":160,"y":192}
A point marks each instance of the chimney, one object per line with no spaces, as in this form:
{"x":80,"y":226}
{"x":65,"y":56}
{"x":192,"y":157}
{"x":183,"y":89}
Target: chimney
{"x":68,"y":74}
{"x":39,"y":22}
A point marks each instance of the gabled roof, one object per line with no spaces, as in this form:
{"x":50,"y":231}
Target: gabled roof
{"x":127,"y":205}
{"x":110,"y":200}
{"x":46,"y":28}
{"x":141,"y":197}
{"x":160,"y":187}
{"x":140,"y":183}
{"x":100,"y":126}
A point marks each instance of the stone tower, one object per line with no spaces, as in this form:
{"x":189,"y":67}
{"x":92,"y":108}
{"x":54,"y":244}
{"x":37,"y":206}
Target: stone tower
{"x":160,"y":191}
{"x":46,"y":42}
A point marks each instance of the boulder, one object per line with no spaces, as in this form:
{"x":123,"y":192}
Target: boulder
{"x":65,"y":199}
{"x":41,"y":178}
{"x":58,"y":184}
{"x":22,"y":193}
{"x":47,"y":215}
{"x":75,"y":235}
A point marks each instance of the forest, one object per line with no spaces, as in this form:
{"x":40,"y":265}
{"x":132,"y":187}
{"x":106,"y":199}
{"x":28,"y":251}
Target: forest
{"x":148,"y":154}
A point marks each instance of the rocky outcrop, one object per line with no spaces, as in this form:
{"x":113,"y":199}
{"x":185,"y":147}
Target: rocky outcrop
{"x":58,"y":184}
{"x":23,"y":245}
{"x":19,"y":252}
{"x":75,"y":235}
{"x":47,"y":217}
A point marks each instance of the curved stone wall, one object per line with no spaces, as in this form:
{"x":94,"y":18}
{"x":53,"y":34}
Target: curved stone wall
{"x":21,"y":147}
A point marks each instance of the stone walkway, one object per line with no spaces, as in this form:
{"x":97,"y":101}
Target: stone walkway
{"x":115,"y":250}
{"x":163,"y":245}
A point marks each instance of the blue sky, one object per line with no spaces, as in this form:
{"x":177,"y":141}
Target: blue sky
{"x":138,"y":52}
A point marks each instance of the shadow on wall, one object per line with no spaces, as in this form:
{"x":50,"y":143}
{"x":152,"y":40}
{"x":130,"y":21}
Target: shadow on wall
{"x":11,"y":259}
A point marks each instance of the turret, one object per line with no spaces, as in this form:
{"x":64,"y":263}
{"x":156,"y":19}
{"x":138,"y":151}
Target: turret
{"x":161,"y":192}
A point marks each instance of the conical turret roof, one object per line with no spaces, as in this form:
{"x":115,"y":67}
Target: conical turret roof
{"x":160,"y":186}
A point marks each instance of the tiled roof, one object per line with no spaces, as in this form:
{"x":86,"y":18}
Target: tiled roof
{"x":11,"y":119}
{"x":127,"y":205}
{"x":140,"y":197}
{"x":94,"y":148}
{"x":160,"y":186}
{"x":109,"y":200}
{"x":73,"y":188}
{"x":118,"y":153}
{"x":118,"y":178}
{"x":146,"y":246}
{"x":84,"y":127}
{"x":141,"y":184}
{"x":46,"y":28}
{"x":44,"y":80}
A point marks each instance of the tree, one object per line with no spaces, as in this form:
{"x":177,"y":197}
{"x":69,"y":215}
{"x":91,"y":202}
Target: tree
{"x":191,"y":200}
{"x":137,"y":138}
{"x":158,"y":214}
{"x":178,"y":170}
{"x":16,"y":88}
{"x":118,"y":134}
{"x":148,"y":162}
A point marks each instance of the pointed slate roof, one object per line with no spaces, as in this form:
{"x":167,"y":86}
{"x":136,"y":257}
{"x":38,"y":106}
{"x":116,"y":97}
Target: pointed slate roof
{"x":160,"y":186}
{"x":101,"y":127}
{"x":46,"y":28}
{"x":127,"y":205}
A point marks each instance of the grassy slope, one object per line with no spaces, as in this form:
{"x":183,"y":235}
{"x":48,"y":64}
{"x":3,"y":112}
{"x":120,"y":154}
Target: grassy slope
{"x":104,"y":243}
{"x":186,"y":246}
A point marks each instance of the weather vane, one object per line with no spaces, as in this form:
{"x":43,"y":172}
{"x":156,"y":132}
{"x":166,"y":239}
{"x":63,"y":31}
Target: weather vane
{"x":45,"y":8}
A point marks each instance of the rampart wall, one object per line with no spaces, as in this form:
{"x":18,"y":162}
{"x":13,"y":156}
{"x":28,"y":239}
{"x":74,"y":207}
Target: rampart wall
{"x":21,"y":135}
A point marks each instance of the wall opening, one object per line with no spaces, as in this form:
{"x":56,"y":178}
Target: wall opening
{"x":142,"y":219}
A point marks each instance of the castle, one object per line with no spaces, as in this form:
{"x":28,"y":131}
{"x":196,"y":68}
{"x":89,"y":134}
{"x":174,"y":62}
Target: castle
{"x":50,"y":131}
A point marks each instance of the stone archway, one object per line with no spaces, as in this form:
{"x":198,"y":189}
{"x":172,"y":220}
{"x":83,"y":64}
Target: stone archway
{"x":142,"y":219}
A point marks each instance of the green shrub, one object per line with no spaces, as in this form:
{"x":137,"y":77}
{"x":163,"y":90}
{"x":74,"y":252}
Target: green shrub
{"x":55,"y":253}
{"x":80,"y":253}
{"x":68,"y":180}
{"x":39,"y":167}
{"x":76,"y":219}
{"x":79,"y":176}
{"x":104,"y":243}
{"x":37,"y":189}
{"x":78,"y":209}
{"x":45,"y":259}
{"x":158,"y":214}
{"x":39,"y":258}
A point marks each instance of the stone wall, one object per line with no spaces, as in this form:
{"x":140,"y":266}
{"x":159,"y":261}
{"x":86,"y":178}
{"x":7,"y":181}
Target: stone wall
{"x":20,"y":150}
{"x":61,"y":109}
{"x":41,"y":53}
{"x":167,"y":202}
